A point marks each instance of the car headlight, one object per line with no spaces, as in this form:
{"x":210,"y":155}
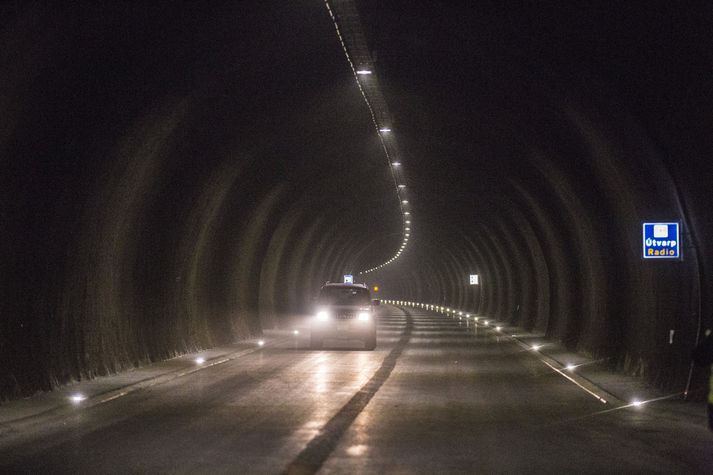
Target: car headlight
{"x":322,"y":316}
{"x":363,"y":316}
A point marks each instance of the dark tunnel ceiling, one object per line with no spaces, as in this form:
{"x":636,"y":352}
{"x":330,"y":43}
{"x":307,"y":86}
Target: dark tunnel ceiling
{"x":176,"y":175}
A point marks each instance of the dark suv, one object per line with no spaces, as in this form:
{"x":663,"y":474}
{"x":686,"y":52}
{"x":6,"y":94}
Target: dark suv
{"x":344,"y":312}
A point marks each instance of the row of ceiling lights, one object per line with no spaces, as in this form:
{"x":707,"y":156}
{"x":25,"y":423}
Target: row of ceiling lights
{"x":397,"y":170}
{"x":362,"y":76}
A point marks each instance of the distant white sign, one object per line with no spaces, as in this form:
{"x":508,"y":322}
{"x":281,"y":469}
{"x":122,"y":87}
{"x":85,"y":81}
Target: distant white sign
{"x":348,"y":279}
{"x":474,"y":280}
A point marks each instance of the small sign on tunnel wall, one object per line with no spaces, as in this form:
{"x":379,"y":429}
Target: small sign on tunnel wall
{"x":474,"y":280}
{"x":661,"y":241}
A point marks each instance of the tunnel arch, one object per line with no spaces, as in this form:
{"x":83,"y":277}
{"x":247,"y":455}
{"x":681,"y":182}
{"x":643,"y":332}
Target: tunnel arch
{"x":163,"y":193}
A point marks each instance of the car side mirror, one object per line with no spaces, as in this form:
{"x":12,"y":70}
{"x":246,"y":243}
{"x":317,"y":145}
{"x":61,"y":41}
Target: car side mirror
{"x":376,"y":302}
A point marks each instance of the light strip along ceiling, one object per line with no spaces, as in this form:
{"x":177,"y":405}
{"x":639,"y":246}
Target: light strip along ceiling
{"x":346,"y":21}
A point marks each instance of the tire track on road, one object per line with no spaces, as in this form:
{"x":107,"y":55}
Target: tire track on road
{"x":310,"y":460}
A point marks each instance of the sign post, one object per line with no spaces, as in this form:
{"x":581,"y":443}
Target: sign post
{"x":475,"y":282}
{"x":661,"y":241}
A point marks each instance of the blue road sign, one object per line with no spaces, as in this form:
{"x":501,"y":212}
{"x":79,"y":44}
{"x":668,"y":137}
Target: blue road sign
{"x":348,"y":279}
{"x":661,"y":241}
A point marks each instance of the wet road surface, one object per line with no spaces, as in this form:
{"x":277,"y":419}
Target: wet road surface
{"x":434,"y":397}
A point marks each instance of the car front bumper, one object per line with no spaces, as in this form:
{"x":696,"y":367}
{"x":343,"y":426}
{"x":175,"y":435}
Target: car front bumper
{"x":344,"y":329}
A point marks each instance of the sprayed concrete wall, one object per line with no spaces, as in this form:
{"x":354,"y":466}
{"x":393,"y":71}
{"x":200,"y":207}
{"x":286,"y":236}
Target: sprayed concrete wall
{"x":177,"y":178}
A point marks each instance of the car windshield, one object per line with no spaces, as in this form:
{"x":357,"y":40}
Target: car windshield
{"x":344,"y":296}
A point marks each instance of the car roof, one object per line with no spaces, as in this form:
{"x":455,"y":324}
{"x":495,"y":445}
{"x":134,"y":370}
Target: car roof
{"x":334,"y":284}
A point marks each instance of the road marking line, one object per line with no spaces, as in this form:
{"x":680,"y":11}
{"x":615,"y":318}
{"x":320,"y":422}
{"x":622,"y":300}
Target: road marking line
{"x":318,"y":450}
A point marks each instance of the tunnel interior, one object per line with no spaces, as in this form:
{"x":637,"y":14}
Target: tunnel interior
{"x":177,"y":178}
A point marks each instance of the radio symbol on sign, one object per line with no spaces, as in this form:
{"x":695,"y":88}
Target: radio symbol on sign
{"x":661,"y":231}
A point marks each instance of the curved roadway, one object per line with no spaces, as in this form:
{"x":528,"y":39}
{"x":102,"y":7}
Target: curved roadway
{"x":435,"y":397}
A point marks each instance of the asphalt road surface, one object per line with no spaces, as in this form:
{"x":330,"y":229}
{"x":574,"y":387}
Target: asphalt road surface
{"x":435,"y":397}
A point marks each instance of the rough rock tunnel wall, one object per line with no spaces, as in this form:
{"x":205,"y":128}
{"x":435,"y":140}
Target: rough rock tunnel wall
{"x":177,"y":177}
{"x":172,"y":180}
{"x":566,"y":127}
